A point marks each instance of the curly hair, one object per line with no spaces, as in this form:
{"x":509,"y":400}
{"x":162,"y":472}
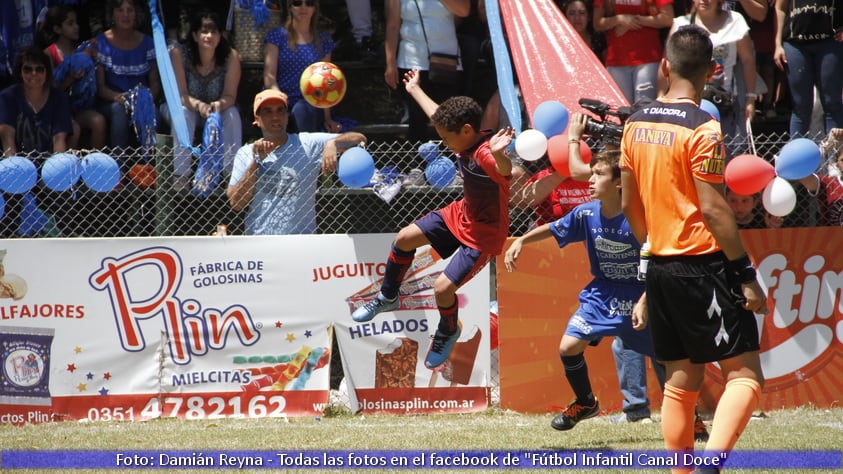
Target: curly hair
{"x":456,"y":112}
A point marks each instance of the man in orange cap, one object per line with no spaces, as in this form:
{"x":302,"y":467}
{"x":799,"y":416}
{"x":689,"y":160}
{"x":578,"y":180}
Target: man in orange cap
{"x":276,"y":176}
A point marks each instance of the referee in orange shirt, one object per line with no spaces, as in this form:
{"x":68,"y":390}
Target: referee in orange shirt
{"x":701,"y":289}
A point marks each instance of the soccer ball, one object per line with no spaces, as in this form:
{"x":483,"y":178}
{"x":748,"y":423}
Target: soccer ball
{"x":322,"y":84}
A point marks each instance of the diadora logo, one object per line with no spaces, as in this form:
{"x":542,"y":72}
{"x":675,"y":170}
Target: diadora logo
{"x":144,"y":285}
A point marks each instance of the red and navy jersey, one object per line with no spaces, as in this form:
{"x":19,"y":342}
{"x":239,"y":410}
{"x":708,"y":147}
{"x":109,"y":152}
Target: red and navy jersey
{"x":480,"y":219}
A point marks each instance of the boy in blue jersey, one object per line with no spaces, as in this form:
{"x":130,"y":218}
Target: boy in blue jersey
{"x":606,"y":303}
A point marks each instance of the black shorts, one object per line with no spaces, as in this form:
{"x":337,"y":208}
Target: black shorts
{"x":693,"y":314}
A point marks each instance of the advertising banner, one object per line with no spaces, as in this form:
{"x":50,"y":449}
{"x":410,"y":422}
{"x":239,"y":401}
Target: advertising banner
{"x":801,"y":270}
{"x":386,"y":371}
{"x":196,"y":327}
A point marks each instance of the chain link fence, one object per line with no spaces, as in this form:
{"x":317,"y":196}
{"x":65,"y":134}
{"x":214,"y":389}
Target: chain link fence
{"x":138,"y":195}
{"x":146,"y":199}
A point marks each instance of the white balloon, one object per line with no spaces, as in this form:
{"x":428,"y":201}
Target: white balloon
{"x":531,"y":144}
{"x":778,"y":197}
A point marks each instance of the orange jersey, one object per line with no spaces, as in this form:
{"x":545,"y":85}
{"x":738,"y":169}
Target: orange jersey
{"x":666,"y":146}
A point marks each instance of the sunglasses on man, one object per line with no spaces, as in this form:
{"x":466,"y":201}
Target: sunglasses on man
{"x":309,"y":3}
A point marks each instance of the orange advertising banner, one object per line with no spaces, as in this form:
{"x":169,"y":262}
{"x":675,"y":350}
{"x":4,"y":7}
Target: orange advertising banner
{"x":801,"y":337}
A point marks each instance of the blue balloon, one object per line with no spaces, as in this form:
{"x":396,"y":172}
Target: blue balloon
{"x":440,"y":172}
{"x":61,"y":171}
{"x":356,"y":167}
{"x":32,"y":219}
{"x":797,"y":159}
{"x":100,"y":172}
{"x":17,"y":175}
{"x":550,"y":118}
{"x":2,"y":206}
{"x":429,"y":151}
{"x":709,"y":107}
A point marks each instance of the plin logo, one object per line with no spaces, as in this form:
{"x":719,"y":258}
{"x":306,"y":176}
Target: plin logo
{"x":144,"y":285}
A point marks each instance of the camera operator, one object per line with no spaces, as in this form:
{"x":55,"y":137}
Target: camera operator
{"x":551,"y":195}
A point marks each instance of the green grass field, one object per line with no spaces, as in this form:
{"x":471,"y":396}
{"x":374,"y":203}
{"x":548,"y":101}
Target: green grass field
{"x":804,"y":429}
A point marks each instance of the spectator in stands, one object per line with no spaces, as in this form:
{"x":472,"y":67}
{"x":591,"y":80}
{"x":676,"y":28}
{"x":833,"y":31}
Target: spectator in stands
{"x":360,"y":15}
{"x":35,"y":121}
{"x":579,"y":14}
{"x":125,"y":58}
{"x":634,"y":47}
{"x":414,"y":30}
{"x":276,"y":176}
{"x":61,"y":34}
{"x":828,"y":188}
{"x":287,"y":52}
{"x":17,"y":31}
{"x":763,"y":34}
{"x":810,"y":51}
{"x":34,"y":115}
{"x":207,"y":70}
{"x":473,"y":37}
{"x":733,"y":49}
{"x":746,"y":210}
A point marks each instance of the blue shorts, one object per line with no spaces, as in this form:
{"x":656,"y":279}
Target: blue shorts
{"x":606,"y":310}
{"x":466,"y":261}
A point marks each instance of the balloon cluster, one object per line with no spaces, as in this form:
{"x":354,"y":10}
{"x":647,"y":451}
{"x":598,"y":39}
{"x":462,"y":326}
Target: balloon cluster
{"x":60,"y":172}
{"x":750,"y":174}
{"x":550,"y":121}
{"x":440,"y":170}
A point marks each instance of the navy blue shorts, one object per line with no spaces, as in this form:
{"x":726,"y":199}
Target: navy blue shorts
{"x":466,"y":261}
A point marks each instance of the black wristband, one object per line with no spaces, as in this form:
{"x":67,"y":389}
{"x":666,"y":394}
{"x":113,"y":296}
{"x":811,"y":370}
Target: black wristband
{"x":740,"y":270}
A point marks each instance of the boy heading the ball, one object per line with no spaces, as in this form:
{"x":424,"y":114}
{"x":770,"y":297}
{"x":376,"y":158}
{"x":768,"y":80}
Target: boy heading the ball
{"x":473,"y":229}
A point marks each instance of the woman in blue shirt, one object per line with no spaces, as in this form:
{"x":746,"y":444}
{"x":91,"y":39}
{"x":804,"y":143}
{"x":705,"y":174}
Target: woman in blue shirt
{"x":288,"y":51}
{"x":125,"y":58}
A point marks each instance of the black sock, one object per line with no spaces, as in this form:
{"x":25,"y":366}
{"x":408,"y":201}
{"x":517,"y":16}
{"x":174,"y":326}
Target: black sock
{"x":448,"y":318}
{"x":576,"y":372}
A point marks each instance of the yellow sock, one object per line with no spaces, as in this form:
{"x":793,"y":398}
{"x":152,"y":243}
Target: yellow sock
{"x":678,"y":420}
{"x":739,"y":399}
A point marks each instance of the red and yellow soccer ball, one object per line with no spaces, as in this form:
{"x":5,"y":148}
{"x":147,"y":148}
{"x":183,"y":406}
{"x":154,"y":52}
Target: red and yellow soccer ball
{"x":322,"y":84}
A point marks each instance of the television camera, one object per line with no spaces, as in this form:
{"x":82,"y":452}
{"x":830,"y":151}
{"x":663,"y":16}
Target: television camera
{"x":600,"y":128}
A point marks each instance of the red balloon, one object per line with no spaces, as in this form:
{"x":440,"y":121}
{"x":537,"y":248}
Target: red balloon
{"x":748,"y":174}
{"x":557,"y":152}
{"x":144,"y":176}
